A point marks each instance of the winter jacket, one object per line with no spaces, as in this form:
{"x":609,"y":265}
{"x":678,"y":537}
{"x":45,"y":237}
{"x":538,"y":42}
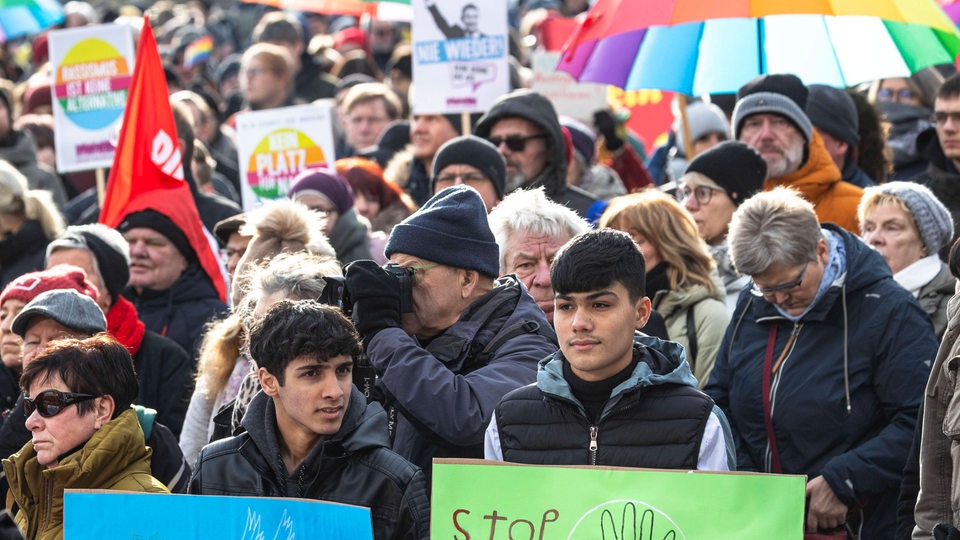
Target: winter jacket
{"x":165,"y":372}
{"x":349,"y":238}
{"x":198,"y":425}
{"x":709,"y":317}
{"x":354,"y":466}
{"x":21,"y":252}
{"x":532,"y":106}
{"x":20,"y":151}
{"x":182,"y":311}
{"x":939,"y":499}
{"x":929,"y":281}
{"x":845,"y":396}
{"x":389,"y":216}
{"x":115,"y":458}
{"x":445,"y":392}
{"x":411,"y":174}
{"x":818,"y":180}
{"x":656,"y":418}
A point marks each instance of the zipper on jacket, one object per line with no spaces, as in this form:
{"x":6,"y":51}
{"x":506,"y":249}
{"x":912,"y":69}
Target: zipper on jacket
{"x":593,"y":445}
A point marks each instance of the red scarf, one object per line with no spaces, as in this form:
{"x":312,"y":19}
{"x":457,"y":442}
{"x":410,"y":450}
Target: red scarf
{"x":123,"y":324}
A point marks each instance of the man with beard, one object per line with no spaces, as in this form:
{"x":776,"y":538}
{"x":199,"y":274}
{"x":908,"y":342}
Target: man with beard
{"x":524,"y":126}
{"x":770,"y":117}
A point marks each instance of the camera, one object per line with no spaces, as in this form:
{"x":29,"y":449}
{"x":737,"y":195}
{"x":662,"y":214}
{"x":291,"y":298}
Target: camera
{"x":335,"y":291}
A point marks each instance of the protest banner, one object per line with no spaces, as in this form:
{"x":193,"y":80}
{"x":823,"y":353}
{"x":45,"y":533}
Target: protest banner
{"x":98,"y":514}
{"x":275,"y":145}
{"x":570,"y":98}
{"x":461,"y":48}
{"x":91,"y":73}
{"x":485,"y":499}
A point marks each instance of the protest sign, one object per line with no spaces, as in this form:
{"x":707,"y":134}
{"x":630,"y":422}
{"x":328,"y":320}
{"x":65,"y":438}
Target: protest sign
{"x":274,"y":145}
{"x":570,"y":98}
{"x":460,"y":47}
{"x":91,"y":71}
{"x":94,"y":514}
{"x":483,"y":499}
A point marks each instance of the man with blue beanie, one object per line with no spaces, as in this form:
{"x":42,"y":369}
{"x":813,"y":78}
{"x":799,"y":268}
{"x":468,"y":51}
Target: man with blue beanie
{"x":446,"y":338}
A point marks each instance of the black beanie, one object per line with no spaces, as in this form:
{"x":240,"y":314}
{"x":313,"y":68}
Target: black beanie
{"x":151,"y":219}
{"x":476,"y":152}
{"x":833,"y":111}
{"x":451,"y":229}
{"x":734,"y":166}
{"x":782,"y":94}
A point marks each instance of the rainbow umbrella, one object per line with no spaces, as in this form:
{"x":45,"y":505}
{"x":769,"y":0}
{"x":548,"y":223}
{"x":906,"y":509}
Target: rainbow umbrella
{"x":701,"y":46}
{"x":23,"y":17}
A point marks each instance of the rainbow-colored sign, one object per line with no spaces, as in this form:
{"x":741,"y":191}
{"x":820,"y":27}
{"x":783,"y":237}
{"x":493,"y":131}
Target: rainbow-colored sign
{"x":275,"y":145}
{"x":92,"y":67}
{"x":278,"y":158}
{"x":92,"y":83}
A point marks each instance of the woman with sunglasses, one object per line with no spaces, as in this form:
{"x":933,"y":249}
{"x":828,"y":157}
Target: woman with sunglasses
{"x":85,"y":433}
{"x":823,"y":367}
{"x":715,"y":183}
{"x":682,"y":280}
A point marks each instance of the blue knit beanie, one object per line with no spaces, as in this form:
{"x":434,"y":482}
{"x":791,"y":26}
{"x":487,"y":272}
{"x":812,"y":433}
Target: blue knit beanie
{"x":451,"y":229}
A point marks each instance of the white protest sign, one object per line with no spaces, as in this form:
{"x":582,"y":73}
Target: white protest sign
{"x":91,"y":70}
{"x":460,"y":53}
{"x":276,"y":144}
{"x":570,"y":98}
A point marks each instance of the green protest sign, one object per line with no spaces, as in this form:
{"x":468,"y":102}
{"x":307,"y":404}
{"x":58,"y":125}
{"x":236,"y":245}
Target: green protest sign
{"x":489,"y":500}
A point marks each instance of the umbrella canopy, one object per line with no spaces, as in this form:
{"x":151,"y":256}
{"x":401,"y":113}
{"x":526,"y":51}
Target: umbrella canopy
{"x":22,"y":17}
{"x":719,"y":55}
{"x":701,"y":46}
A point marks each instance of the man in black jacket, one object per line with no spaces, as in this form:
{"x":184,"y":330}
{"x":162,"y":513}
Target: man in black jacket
{"x":310,"y":433}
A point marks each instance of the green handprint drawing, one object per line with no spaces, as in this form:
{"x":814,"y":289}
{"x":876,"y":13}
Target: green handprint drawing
{"x":617,"y":520}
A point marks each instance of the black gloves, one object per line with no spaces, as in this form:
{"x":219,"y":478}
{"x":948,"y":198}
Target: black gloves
{"x":376,"y":297}
{"x":610,"y":128}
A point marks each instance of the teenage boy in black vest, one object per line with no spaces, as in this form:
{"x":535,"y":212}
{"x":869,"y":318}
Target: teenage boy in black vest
{"x":609,"y":396}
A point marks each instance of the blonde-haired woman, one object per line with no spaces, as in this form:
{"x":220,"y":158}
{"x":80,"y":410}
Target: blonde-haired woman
{"x":29,"y":220}
{"x":682,"y":281}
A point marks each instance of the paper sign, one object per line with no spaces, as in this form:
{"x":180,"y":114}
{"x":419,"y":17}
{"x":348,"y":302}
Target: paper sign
{"x":91,"y":69}
{"x":96,"y":515}
{"x":570,"y":98}
{"x":489,"y":500}
{"x":277,"y":144}
{"x":460,"y":53}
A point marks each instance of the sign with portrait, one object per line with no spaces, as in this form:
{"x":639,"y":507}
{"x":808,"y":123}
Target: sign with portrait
{"x":460,"y":51}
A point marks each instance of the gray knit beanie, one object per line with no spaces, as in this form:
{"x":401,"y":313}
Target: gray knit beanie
{"x":932,"y":217}
{"x":703,"y":118}
{"x":782,"y":94}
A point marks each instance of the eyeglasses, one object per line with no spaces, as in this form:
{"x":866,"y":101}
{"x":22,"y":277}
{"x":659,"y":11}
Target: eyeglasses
{"x":50,"y":403}
{"x":703,"y":194}
{"x":516,"y":143}
{"x":420,"y":267}
{"x":449,"y":179}
{"x":940,"y":117}
{"x":766,"y":291}
{"x":898,"y":96}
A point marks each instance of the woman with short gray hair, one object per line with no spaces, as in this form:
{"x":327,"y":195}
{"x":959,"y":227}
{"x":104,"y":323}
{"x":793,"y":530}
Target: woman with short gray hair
{"x":822,"y":369}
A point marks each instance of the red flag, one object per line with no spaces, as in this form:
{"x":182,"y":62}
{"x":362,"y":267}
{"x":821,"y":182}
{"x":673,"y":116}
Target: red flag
{"x":147,"y":171}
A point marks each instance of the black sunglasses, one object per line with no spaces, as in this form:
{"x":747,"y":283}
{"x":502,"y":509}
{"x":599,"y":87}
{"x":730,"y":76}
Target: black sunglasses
{"x":50,"y":403}
{"x":516,"y":143}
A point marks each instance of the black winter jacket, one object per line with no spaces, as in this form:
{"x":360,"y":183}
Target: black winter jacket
{"x":354,"y":466}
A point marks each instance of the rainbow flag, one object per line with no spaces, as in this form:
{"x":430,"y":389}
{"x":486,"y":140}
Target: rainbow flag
{"x":198,"y":51}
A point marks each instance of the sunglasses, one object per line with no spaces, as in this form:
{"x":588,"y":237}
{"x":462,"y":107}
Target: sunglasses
{"x":516,"y":143}
{"x":50,"y":403}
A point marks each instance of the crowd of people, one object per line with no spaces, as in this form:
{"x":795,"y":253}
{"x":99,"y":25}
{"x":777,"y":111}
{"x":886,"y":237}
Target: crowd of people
{"x":771,"y":289}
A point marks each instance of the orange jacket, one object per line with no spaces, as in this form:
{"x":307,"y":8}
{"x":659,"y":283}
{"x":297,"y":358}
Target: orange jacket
{"x":818,"y":180}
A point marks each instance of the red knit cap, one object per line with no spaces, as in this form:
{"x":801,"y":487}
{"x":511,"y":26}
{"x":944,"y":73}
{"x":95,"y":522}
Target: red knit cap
{"x":63,"y":276}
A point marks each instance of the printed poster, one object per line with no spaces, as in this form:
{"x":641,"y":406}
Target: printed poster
{"x":91,"y":71}
{"x":460,"y":52}
{"x":475,"y":499}
{"x":275,"y":145}
{"x":571,"y":98}
{"x":95,"y":515}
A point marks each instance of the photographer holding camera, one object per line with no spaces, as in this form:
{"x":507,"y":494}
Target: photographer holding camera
{"x":466,"y":339}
